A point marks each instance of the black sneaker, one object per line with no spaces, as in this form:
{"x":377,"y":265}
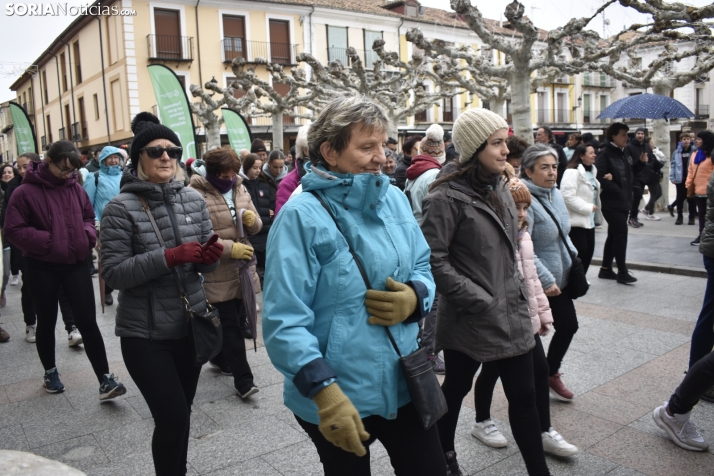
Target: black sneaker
{"x":607,"y":273}
{"x":245,"y":329}
{"x":626,"y":278}
{"x":110,"y":388}
{"x":108,"y":299}
{"x":52,"y":381}
{"x":695,"y":242}
{"x":691,"y":220}
{"x":670,"y":209}
{"x":245,"y":393}
{"x":452,"y":466}
{"x":679,"y":220}
{"x":222,"y":367}
{"x":634,"y":223}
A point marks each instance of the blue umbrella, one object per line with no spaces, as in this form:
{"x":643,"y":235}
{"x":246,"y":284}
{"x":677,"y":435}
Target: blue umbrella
{"x":646,"y":106}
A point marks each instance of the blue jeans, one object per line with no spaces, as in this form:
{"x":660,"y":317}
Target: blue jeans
{"x":703,"y":335}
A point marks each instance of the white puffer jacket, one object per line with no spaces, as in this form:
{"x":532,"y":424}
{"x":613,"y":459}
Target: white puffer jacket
{"x":578,"y":194}
{"x":538,"y":306}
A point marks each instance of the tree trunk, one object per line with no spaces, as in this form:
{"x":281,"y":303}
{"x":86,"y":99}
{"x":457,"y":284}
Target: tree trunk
{"x":213,"y":134}
{"x":521,"y":105}
{"x":499,"y":107}
{"x":393,"y":131}
{"x":660,"y":129}
{"x":277,"y":131}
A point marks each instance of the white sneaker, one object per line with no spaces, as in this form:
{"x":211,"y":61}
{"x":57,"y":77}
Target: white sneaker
{"x":554,"y":444}
{"x":14,"y":280}
{"x":653,"y":218}
{"x":75,"y":338}
{"x":31,"y":334}
{"x":683,"y":432}
{"x":487,"y":433}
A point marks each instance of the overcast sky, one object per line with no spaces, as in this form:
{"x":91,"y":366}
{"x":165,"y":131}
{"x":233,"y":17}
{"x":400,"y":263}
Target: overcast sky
{"x":23,"y":39}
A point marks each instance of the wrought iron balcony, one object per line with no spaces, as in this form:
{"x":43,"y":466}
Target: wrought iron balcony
{"x":702,"y":111}
{"x":170,"y":47}
{"x":62,"y":133}
{"x":589,"y":117}
{"x":280,"y":53}
{"x":596,"y":80}
{"x":43,"y":140}
{"x":555,"y":116}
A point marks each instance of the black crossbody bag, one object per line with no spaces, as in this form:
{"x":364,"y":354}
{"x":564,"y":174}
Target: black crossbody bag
{"x":577,"y":283}
{"x":424,"y":389}
{"x":206,"y":330}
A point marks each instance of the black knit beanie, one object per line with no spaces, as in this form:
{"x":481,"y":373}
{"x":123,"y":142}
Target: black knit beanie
{"x":147,"y":127}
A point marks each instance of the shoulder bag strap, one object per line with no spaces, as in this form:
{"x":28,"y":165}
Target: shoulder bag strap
{"x":562,"y":236}
{"x":357,"y":261}
{"x":174,"y":272}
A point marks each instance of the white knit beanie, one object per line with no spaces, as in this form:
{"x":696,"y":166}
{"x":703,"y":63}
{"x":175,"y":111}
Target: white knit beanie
{"x":472,"y":128}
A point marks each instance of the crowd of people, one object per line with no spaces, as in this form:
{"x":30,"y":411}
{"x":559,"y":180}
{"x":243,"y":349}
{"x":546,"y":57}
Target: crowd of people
{"x":463,"y":244}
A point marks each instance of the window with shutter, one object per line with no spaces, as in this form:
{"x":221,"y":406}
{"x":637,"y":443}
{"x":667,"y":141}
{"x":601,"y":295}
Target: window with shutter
{"x":337,"y":44}
{"x":280,"y":51}
{"x":168,"y":34}
{"x":234,"y":45}
{"x":369,"y":55}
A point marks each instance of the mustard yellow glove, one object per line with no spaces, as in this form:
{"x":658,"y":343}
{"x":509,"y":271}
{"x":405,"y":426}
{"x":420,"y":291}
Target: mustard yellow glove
{"x":340,"y":423}
{"x":248,"y":218}
{"x":241,"y":251}
{"x":387,"y":308}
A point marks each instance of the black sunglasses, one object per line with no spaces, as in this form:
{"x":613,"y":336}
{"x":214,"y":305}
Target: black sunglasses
{"x":158,"y":152}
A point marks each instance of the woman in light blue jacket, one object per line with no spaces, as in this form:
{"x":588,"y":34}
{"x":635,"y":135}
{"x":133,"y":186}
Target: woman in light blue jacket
{"x":102,"y":186}
{"x":539,"y":171}
{"x":342,"y":375}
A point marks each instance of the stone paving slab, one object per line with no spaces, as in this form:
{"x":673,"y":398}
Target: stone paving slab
{"x":627,"y":358}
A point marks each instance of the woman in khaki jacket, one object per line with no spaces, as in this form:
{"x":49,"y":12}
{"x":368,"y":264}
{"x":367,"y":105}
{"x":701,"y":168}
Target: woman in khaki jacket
{"x":700,"y":169}
{"x":470,"y":223}
{"x":225,"y":196}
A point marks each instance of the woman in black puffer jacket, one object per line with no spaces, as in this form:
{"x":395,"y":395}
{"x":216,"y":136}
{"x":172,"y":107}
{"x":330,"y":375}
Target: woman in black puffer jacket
{"x":262,"y":192}
{"x":151,"y":319}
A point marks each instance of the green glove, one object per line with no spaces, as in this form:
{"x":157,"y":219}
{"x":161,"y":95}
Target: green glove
{"x":387,"y":308}
{"x":340,"y":423}
{"x":241,"y":251}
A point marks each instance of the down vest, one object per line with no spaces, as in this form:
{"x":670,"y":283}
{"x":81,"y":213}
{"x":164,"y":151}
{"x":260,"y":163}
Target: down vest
{"x":133,"y":261}
{"x":224,"y":284}
{"x":483,"y":308}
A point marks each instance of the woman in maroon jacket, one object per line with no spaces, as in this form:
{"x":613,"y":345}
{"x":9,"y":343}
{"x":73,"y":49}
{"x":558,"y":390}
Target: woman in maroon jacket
{"x":51,"y":220}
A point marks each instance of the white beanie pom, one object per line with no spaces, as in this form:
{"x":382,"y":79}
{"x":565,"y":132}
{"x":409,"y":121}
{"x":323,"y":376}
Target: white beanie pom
{"x":435,"y":133}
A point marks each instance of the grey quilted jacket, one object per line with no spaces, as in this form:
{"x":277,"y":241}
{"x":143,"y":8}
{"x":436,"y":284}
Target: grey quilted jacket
{"x":133,"y":261}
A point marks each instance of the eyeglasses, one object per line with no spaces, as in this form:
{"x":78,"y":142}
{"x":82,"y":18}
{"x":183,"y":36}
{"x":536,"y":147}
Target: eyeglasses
{"x":158,"y":152}
{"x":64,"y":170}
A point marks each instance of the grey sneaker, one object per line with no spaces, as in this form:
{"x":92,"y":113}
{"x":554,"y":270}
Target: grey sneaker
{"x":31,"y":334}
{"x":681,"y":431}
{"x":74,"y":338}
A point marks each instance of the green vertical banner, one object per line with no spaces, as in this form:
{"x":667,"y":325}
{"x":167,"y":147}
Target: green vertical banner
{"x":238,"y":130}
{"x":173,"y":107}
{"x":24,"y":132}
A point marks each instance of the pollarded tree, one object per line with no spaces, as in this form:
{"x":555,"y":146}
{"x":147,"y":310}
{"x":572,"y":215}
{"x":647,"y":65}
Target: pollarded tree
{"x":402,"y":88}
{"x":535,"y":57}
{"x":263,"y":100}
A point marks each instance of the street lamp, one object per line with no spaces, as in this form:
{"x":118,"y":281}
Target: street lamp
{"x":575,"y":112}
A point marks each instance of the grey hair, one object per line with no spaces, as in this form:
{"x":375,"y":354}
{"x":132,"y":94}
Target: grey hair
{"x":301,"y":141}
{"x":531,"y":156}
{"x":337,"y":120}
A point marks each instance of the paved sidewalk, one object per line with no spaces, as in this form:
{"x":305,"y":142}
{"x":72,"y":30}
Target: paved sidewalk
{"x":659,"y":243}
{"x":627,"y":358}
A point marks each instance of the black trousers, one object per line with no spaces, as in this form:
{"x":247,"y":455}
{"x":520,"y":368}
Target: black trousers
{"x":75,"y":279}
{"x":412,"y":450}
{"x":28,"y":308}
{"x":655,"y":189}
{"x":584,"y":241}
{"x":702,"y":212}
{"x":233,"y":351}
{"x":163,"y":371}
{"x":486,"y":382}
{"x":638,"y":189}
{"x":518,"y":384}
{"x":681,"y":197}
{"x":15,"y":260}
{"x":698,"y":380}
{"x":565,"y":322}
{"x":616,"y":242}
